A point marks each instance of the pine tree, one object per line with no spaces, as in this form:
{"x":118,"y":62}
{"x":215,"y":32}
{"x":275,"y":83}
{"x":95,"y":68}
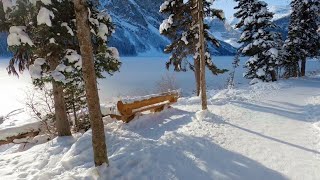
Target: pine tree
{"x":303,"y":39}
{"x":181,"y":27}
{"x":43,"y":38}
{"x":259,"y":40}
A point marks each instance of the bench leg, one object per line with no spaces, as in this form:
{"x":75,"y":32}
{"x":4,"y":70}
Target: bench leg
{"x":159,"y":109}
{"x":127,"y":119}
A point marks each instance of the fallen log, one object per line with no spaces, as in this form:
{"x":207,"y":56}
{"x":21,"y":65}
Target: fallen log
{"x":9,"y":135}
{"x":20,"y":136}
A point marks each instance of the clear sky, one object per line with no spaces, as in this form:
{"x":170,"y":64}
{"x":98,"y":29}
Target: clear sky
{"x":228,"y":5}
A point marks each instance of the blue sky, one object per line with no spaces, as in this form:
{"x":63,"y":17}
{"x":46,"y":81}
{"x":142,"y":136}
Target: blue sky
{"x":228,"y":5}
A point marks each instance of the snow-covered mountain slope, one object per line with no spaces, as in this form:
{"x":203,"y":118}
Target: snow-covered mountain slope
{"x":280,"y":11}
{"x":223,"y":31}
{"x":137,"y":23}
{"x":283,"y":24}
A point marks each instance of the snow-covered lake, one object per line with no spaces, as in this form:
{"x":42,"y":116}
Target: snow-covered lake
{"x":140,"y":75}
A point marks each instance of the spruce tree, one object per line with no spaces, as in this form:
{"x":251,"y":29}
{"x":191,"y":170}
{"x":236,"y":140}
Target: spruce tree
{"x":303,"y":39}
{"x":181,"y":27}
{"x":42,"y":37}
{"x":260,"y":43}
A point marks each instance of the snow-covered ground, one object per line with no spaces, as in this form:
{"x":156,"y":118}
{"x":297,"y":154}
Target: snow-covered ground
{"x":265,"y":131}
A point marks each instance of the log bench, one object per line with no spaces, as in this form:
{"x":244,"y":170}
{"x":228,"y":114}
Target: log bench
{"x":128,"y":109}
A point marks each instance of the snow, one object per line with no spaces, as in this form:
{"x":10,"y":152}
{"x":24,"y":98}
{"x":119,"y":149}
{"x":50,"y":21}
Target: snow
{"x":14,"y":131}
{"x":255,"y":132}
{"x":184,"y":38}
{"x":72,"y":56}
{"x":103,"y":31}
{"x":164,"y":6}
{"x":166,"y":24}
{"x":274,"y":52}
{"x":58,"y":76}
{"x":64,"y":24}
{"x":39,"y":61}
{"x":128,"y":100}
{"x":44,"y":17}
{"x":12,"y":97}
{"x":35,"y":71}
{"x":18,"y":36}
{"x":261,"y":72}
{"x":115,"y":52}
{"x":8,"y":4}
{"x":264,"y":131}
{"x":52,"y":41}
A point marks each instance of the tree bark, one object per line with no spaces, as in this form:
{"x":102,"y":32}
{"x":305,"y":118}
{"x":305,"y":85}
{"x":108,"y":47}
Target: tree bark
{"x":273,"y":75}
{"x":76,"y":121}
{"x":197,"y":75}
{"x":303,"y":67}
{"x":89,"y":76}
{"x":202,"y":57}
{"x":194,"y":13}
{"x":62,"y":123}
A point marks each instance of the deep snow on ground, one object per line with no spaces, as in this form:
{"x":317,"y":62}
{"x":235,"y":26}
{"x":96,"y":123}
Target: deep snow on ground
{"x":265,"y":131}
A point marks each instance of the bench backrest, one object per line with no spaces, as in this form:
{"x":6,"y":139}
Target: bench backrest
{"x":128,"y":108}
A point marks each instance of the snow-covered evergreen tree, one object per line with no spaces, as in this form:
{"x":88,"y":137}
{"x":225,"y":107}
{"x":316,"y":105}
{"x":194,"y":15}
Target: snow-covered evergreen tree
{"x":42,"y":37}
{"x":303,"y":39}
{"x":259,"y":40}
{"x":181,"y":28}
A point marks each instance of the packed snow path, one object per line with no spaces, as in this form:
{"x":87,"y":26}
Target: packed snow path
{"x":266,"y":132}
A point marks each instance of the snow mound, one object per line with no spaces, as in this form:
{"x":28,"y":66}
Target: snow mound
{"x":14,"y":131}
{"x":208,"y":116}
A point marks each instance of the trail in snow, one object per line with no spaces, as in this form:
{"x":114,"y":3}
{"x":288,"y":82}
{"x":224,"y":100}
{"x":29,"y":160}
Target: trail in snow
{"x":266,"y":131}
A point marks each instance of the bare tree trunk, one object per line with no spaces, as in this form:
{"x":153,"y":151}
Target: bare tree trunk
{"x":62,"y":123}
{"x":76,"y":121}
{"x":197,"y":75}
{"x":89,"y":76}
{"x":273,"y":75}
{"x":202,"y":57}
{"x":303,"y":67}
{"x":195,"y":17}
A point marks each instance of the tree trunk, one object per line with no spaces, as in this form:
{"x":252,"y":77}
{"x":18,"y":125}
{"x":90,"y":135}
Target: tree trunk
{"x":273,"y":75}
{"x":62,"y":123}
{"x":197,"y":75}
{"x":76,"y":121}
{"x":89,"y":76}
{"x":303,"y":67}
{"x":202,"y":57}
{"x":195,"y":17}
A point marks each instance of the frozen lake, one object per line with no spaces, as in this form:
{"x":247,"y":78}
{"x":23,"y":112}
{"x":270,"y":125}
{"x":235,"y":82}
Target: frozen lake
{"x":137,"y":76}
{"x":140,"y":75}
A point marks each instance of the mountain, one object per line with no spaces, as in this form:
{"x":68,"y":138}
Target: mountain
{"x":137,"y":23}
{"x":280,"y":11}
{"x":223,"y":31}
{"x":283,"y":24}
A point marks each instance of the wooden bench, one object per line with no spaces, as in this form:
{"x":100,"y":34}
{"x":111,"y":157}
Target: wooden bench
{"x":128,"y":109}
